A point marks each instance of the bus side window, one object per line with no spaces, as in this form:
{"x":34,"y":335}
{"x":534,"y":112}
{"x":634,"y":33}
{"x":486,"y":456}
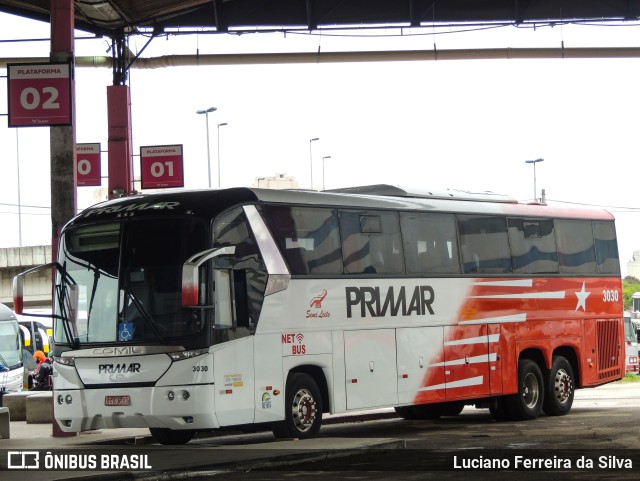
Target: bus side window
{"x":241,"y":299}
{"x":371,"y":242}
{"x":575,"y":246}
{"x":604,"y":234}
{"x":247,"y":267}
{"x":484,"y":244}
{"x":430,"y":243}
{"x":533,"y":246}
{"x":307,"y":237}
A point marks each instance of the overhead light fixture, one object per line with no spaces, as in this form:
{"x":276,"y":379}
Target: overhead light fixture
{"x":98,"y":10}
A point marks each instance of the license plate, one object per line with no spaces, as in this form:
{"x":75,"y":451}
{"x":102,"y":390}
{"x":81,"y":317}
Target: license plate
{"x":117,"y":401}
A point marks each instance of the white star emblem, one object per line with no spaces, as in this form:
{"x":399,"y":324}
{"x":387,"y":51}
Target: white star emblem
{"x":582,"y":298}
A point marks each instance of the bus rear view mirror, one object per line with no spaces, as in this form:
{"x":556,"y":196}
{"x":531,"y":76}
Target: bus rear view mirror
{"x":18,"y":294}
{"x":18,"y":285}
{"x":191,"y":273}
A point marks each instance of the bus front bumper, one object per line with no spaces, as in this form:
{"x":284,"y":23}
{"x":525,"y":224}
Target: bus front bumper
{"x":173,"y":407}
{"x":12,"y":381}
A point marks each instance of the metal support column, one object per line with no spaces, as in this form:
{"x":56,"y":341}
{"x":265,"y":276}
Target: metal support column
{"x":120,"y":141}
{"x":62,"y":139}
{"x":119,"y":117}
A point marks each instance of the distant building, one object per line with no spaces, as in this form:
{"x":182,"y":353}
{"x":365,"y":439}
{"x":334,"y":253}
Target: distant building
{"x":37,"y":289}
{"x":279,"y":181}
{"x":633,"y":266}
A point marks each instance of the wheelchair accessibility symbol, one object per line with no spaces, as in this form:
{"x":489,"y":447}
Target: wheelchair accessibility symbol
{"x":125,"y":331}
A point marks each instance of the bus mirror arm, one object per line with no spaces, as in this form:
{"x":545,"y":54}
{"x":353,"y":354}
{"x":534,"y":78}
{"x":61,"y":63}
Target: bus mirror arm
{"x":191,"y":275}
{"x":18,"y":285}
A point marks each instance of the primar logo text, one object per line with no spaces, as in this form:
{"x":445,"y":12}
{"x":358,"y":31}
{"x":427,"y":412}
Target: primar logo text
{"x":404,"y":303}
{"x":118,"y":368}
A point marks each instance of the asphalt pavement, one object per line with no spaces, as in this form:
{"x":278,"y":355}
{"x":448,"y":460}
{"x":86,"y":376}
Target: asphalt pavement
{"x":133,"y":454}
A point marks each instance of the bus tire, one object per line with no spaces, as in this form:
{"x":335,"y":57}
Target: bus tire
{"x":171,"y":436}
{"x":560,"y":388}
{"x":526,"y":404}
{"x":303,"y":409}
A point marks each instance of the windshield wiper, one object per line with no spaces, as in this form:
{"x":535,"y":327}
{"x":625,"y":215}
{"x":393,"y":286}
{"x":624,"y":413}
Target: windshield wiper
{"x":65,"y":303}
{"x":141,"y":309}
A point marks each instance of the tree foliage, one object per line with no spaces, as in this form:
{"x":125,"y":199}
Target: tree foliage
{"x":630,"y":285}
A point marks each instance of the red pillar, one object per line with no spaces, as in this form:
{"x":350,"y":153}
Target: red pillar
{"x":120,"y":141}
{"x":62,"y":139}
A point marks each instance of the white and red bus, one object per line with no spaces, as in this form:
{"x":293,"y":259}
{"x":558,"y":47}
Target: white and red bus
{"x":191,"y":311}
{"x":11,"y":363}
{"x":631,"y":345}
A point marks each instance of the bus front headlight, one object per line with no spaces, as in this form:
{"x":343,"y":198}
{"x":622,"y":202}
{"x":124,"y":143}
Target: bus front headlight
{"x":181,"y":355}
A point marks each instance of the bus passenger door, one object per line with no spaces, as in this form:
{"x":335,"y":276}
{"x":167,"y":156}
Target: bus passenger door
{"x":420,"y":365}
{"x":466,"y":351}
{"x":370,"y":366}
{"x":234,"y":382}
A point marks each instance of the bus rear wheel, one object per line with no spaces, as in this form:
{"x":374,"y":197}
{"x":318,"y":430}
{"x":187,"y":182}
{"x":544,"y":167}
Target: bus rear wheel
{"x":303,"y":409}
{"x":526,"y":404}
{"x":171,"y":436}
{"x":560,"y":388}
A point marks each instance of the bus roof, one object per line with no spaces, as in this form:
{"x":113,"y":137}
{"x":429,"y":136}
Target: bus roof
{"x":208,"y":203}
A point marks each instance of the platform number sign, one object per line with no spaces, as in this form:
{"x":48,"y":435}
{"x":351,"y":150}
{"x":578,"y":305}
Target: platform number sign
{"x":161,"y":166}
{"x":39,"y":94}
{"x":88,"y":165}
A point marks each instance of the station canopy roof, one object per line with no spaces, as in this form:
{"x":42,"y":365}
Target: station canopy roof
{"x":104,"y":17}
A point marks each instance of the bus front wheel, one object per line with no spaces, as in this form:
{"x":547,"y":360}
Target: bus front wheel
{"x":303,"y":409}
{"x":171,"y":436}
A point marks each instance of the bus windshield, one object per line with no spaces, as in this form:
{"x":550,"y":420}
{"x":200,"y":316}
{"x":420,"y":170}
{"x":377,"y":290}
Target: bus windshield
{"x":10,"y":345}
{"x":128,"y":277}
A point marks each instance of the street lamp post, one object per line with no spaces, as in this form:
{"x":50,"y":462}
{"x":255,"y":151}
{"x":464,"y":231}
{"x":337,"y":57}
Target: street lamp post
{"x":534,"y":162}
{"x":323,"y":158}
{"x":311,"y":157}
{"x":206,"y":115}
{"x":219,"y":125}
{"x":18,"y":182}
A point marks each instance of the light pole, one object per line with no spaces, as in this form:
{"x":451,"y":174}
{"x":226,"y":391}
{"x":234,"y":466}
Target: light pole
{"x":206,"y":115}
{"x":18,"y":179}
{"x":219,"y":125}
{"x":534,"y":162}
{"x":325,"y":157}
{"x":311,"y":157}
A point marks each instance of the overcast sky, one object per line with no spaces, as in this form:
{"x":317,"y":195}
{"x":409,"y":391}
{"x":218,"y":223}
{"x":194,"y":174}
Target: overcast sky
{"x":468,"y":124}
